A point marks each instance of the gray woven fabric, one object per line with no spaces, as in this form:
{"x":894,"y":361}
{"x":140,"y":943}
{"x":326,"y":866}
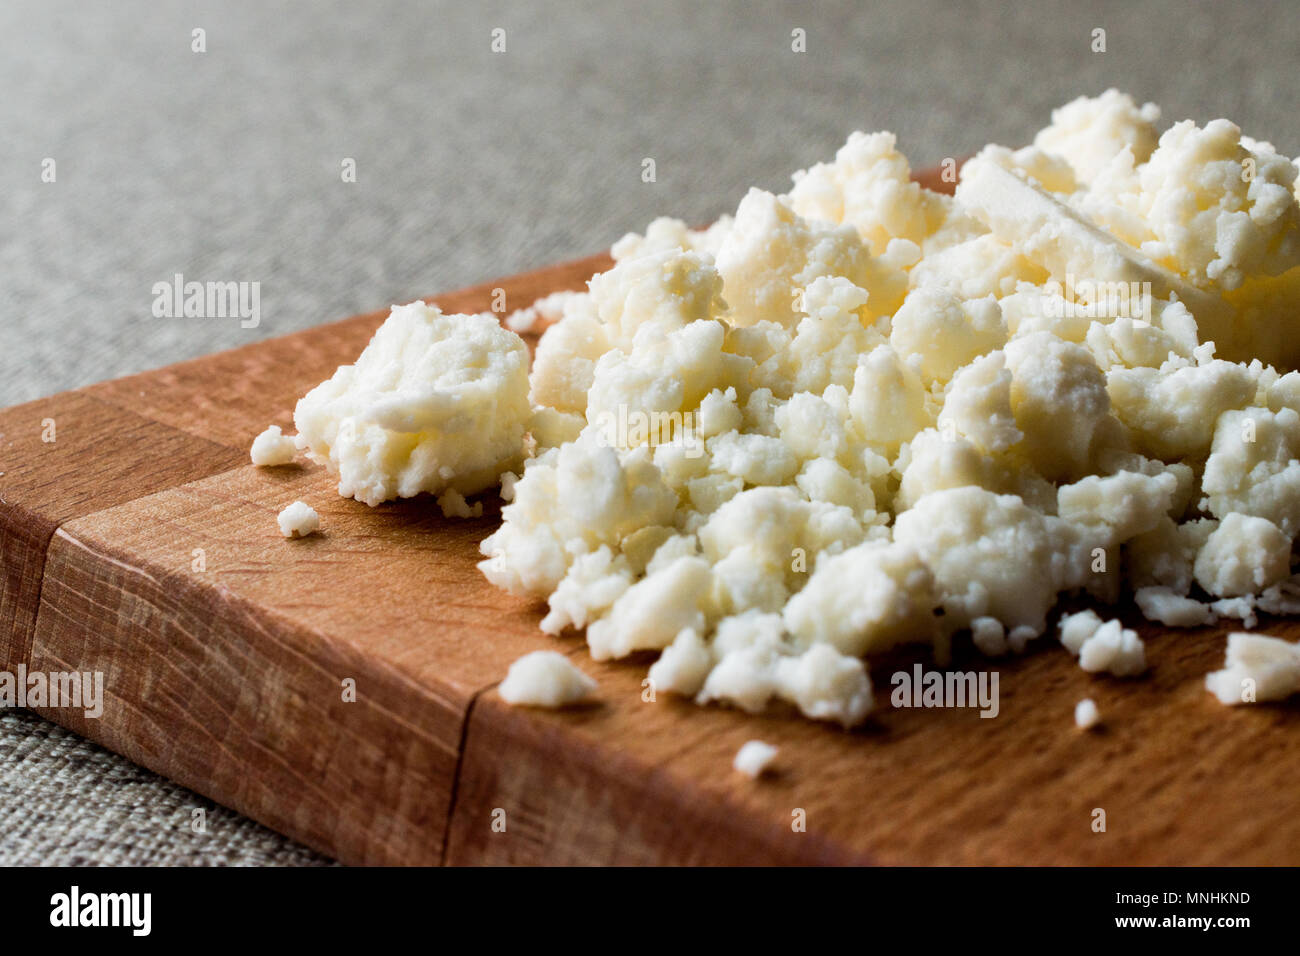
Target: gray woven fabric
{"x":226,"y":165}
{"x":64,"y":800}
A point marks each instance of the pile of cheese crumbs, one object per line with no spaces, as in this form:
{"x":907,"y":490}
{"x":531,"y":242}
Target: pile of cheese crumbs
{"x":864,"y":414}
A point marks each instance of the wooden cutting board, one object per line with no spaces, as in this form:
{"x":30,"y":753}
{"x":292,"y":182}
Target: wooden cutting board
{"x":140,"y":543}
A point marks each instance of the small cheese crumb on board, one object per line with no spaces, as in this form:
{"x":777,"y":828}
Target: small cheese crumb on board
{"x":298,"y":520}
{"x":273,"y":448}
{"x":1086,"y":714}
{"x":545,"y":679}
{"x":754,"y":758}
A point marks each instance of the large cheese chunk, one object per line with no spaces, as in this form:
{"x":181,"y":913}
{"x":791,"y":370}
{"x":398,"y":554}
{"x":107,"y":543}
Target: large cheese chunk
{"x":1090,"y":132}
{"x":865,"y":599}
{"x":1220,"y":207}
{"x":1242,"y":556}
{"x":1065,"y":243}
{"x":770,"y":254}
{"x":1256,"y":668}
{"x":1254,"y":467}
{"x":434,"y":402}
{"x":991,"y":555}
{"x":869,"y":187}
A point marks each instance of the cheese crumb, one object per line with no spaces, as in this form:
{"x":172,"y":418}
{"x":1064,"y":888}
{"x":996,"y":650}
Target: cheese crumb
{"x":1256,"y":668}
{"x":545,"y":311}
{"x":1103,"y":645}
{"x":1168,"y":607}
{"x":1086,"y":714}
{"x":1242,"y":556}
{"x":298,"y":520}
{"x":754,"y":758}
{"x":545,"y":679}
{"x":434,"y":402}
{"x":453,"y":505}
{"x":271,"y":448}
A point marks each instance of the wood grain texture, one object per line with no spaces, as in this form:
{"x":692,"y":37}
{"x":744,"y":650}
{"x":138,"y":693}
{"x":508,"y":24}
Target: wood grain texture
{"x":1181,"y":778}
{"x":228,"y":677}
{"x":72,"y":455}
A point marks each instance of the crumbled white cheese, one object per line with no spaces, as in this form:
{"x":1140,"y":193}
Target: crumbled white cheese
{"x":683,"y":666}
{"x":754,"y":758}
{"x":989,"y":636}
{"x":771,"y":252}
{"x":1061,"y":239}
{"x":1173,"y":412}
{"x":1086,"y":714}
{"x":1217,"y":208}
{"x":939,"y":333}
{"x":1119,"y":506}
{"x":565,"y":362}
{"x":1243,"y":556}
{"x":272,"y":448}
{"x":298,"y":520}
{"x":1172,"y":609}
{"x":868,"y":186}
{"x":453,"y":505}
{"x":1256,"y":668}
{"x":1103,"y":645}
{"x":991,"y":555}
{"x":545,"y":679}
{"x":1090,"y":132}
{"x":864,"y":414}
{"x":1254,"y":467}
{"x":865,"y":599}
{"x":434,"y":402}
{"x":666,"y":234}
{"x":547,"y":310}
{"x":977,"y":406}
{"x":1075,"y":629}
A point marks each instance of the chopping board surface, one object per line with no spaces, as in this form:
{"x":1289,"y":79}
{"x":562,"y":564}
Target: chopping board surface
{"x":340,"y":689}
